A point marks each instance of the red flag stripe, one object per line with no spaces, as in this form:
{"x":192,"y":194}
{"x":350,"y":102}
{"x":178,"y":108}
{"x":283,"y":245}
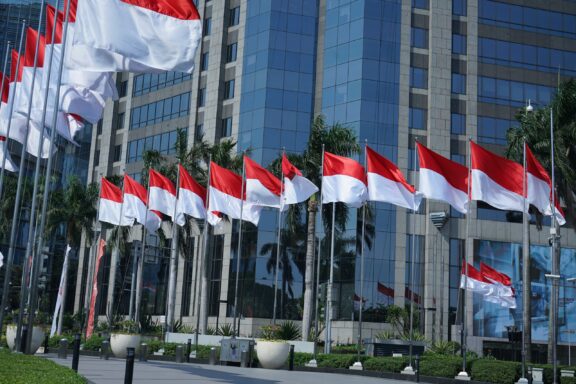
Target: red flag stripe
{"x":31,"y":38}
{"x":268,"y":180}
{"x":502,"y":171}
{"x":158,"y":180}
{"x":492,"y":274}
{"x":180,"y":9}
{"x":110,"y":192}
{"x":385,"y":168}
{"x":335,"y":165}
{"x":132,"y":187}
{"x":455,"y":174}
{"x":288,"y":169}
{"x":188,"y":182}
{"x":225,"y":181}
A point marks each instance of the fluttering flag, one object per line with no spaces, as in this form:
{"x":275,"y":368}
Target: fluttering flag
{"x":136,"y":205}
{"x":162,"y":194}
{"x":110,"y":206}
{"x":225,"y":196}
{"x":475,"y":282}
{"x":9,"y":164}
{"x":496,"y":180}
{"x":191,"y":198}
{"x":343,"y":180}
{"x":262,"y":187}
{"x":503,"y":293}
{"x":540,"y":188}
{"x":443,"y":179}
{"x":94,"y":295}
{"x":297,"y":188}
{"x":135,"y":36}
{"x":61,"y":288}
{"x":387,"y":184}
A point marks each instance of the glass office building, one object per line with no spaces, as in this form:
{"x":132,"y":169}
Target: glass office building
{"x":394,"y":71}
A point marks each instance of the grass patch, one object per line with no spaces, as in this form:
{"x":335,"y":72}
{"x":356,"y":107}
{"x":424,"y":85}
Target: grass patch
{"x":23,"y":369}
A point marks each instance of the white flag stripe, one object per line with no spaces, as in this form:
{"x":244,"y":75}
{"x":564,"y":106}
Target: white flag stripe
{"x":298,"y":189}
{"x":61,"y":289}
{"x":258,"y":194}
{"x":136,"y":209}
{"x":109,"y":211}
{"x":539,"y":196}
{"x":190,"y":204}
{"x":219,"y":201}
{"x":389,"y":191}
{"x":9,"y":165}
{"x":487,"y":190}
{"x":150,"y":41}
{"x":343,"y":188}
{"x":476,"y":286}
{"x":435,"y":186}
{"x":161,"y":200}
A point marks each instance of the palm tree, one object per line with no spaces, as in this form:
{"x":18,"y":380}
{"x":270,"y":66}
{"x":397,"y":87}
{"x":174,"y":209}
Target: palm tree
{"x":534,"y":129}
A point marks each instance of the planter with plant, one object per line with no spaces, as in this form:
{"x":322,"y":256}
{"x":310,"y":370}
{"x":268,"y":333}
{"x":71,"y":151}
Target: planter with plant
{"x":125,"y":334}
{"x":40,"y":324}
{"x":272,"y":348}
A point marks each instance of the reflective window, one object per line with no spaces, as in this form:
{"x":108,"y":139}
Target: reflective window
{"x":417,"y":118}
{"x":207,"y":26}
{"x":492,"y":130}
{"x":199,"y":132}
{"x":123,"y":88}
{"x":458,"y":44}
{"x":231,"y":52}
{"x":234,"y":17}
{"x":459,"y":7}
{"x":414,"y":287}
{"x":418,"y":78}
{"x":229,"y":89}
{"x":512,"y":93}
{"x":457,"y":124}
{"x":150,"y":82}
{"x":165,"y":143}
{"x":226,"y":127}
{"x":458,"y":83}
{"x":202,"y":97}
{"x":204,"y":61}
{"x":419,"y":38}
{"x":457,"y":254}
{"x":120,"y":120}
{"x":422,"y":4}
{"x":163,"y":110}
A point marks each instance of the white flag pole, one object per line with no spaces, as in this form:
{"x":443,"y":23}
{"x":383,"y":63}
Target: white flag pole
{"x":239,"y":252}
{"x":58,"y":310}
{"x":278,"y":241}
{"x":173,"y":263}
{"x":202,"y":309}
{"x":140,"y":273}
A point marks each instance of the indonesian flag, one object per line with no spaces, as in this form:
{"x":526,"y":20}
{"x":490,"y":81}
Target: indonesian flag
{"x":136,"y":36}
{"x":475,"y":281}
{"x":191,"y":198}
{"x":135,"y":205}
{"x":343,"y":180}
{"x":162,"y":194}
{"x":225,"y":196}
{"x":262,"y":187}
{"x":110,"y":207}
{"x":387,"y":184}
{"x":443,"y":179}
{"x":540,"y":188}
{"x":297,"y":188}
{"x":94,"y":295}
{"x":503,"y":293}
{"x":496,"y":180}
{"x":8,"y":164}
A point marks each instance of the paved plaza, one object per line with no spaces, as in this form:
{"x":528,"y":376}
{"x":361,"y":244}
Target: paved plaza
{"x":112,"y":372}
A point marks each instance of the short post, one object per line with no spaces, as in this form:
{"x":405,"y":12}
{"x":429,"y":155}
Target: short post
{"x":291,"y":358}
{"x":188,"y":350}
{"x":129,"y":373}
{"x":178,"y":354}
{"x":76,"y":352}
{"x":243,"y":359}
{"x":417,"y":368}
{"x":212,"y":358}
{"x":63,"y":349}
{"x":105,"y":350}
{"x":46,"y":342}
{"x":143,"y":352}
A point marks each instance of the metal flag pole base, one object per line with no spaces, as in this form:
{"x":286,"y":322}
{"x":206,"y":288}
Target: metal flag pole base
{"x":357,"y":366}
{"x":463,"y":376}
{"x":408,"y":371}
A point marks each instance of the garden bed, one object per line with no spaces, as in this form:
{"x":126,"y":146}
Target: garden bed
{"x":24,"y":369}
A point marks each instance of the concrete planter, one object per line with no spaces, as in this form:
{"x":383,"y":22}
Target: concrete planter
{"x":119,"y":342}
{"x":272,"y":354}
{"x":37,"y":337}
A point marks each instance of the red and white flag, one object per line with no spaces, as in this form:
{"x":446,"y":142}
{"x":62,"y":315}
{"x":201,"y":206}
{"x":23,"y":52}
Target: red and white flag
{"x":110,"y":207}
{"x":191,"y":198}
{"x":8,"y":164}
{"x":94,"y":295}
{"x":135,"y":205}
{"x":162,"y":194}
{"x":297,"y":188}
{"x":540,"y":188}
{"x":225,"y":196}
{"x":262,"y":187}
{"x":387,"y":184}
{"x":343,"y":180}
{"x":443,"y":179}
{"x":475,"y":281}
{"x":136,"y":36}
{"x":496,"y":180}
{"x":503,"y":293}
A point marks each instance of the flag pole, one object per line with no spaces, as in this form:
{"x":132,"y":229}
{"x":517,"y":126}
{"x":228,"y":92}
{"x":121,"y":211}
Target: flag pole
{"x":362,"y":260}
{"x":555,"y":248}
{"x":140,"y":272}
{"x":463,"y":374}
{"x":525,"y":267}
{"x":173,"y":262}
{"x":328,"y":343}
{"x":135,"y":261}
{"x":34,"y":290}
{"x":5,"y":144}
{"x":236,"y":331}
{"x":10,"y":258}
{"x":202,"y":308}
{"x":278,"y":242}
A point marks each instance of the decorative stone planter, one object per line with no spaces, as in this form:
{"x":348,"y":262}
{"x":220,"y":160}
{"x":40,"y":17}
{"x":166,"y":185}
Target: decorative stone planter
{"x":272,"y":354}
{"x":120,"y":341}
{"x":37,"y":337}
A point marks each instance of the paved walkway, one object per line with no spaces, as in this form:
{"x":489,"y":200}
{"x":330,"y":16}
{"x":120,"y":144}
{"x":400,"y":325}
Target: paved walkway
{"x":112,"y":372}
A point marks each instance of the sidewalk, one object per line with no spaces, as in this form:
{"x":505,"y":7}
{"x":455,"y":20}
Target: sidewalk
{"x":112,"y":372}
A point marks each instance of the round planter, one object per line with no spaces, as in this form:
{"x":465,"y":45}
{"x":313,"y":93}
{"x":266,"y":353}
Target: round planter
{"x":37,"y":337}
{"x":119,"y":342}
{"x":272,"y":354}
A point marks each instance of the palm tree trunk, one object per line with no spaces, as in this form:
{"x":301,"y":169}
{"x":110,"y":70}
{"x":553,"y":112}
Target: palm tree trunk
{"x":309,"y":272}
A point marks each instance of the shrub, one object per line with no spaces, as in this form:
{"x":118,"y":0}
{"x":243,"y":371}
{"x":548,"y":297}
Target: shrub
{"x":226,"y":330}
{"x":337,"y":361}
{"x":154,"y":346}
{"x":54,"y":341}
{"x":301,"y":358}
{"x":440,"y":366}
{"x":444,"y":347}
{"x":94,"y":343}
{"x":567,"y":380}
{"x":289,"y":330}
{"x":345,"y":349}
{"x":385,"y":364}
{"x":22,"y":369}
{"x":495,"y":371}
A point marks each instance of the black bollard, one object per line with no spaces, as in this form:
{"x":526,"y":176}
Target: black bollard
{"x":63,"y":349}
{"x":105,"y":350}
{"x":143,"y":352}
{"x":23,"y":338}
{"x":129,"y":374}
{"x":188,"y":350}
{"x":417,"y":368}
{"x":212,"y":357}
{"x":291,"y":359}
{"x":46,"y":341}
{"x":243,"y":359}
{"x":76,"y":352}
{"x":178,"y":354}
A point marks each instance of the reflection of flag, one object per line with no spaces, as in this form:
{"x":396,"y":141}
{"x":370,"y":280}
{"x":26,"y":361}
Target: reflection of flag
{"x":357,"y":302}
{"x":412,"y":295}
{"x":387,"y":291}
{"x":503,"y":294}
{"x":149,"y":286}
